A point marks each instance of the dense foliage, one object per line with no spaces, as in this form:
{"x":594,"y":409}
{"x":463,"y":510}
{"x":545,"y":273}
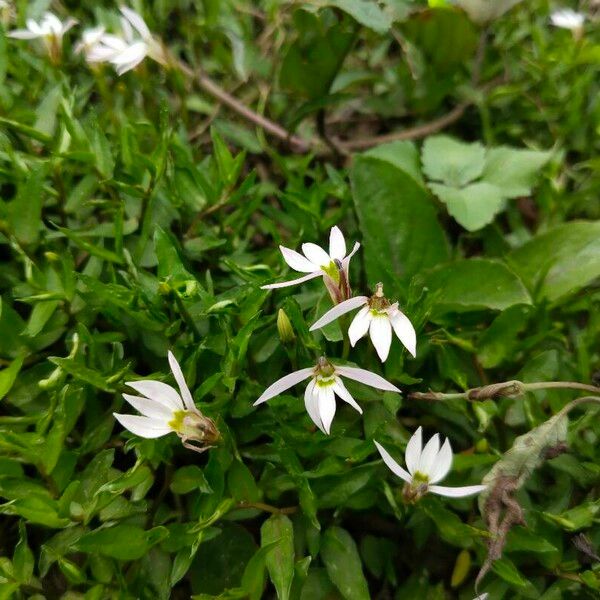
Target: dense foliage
{"x":142,"y":213}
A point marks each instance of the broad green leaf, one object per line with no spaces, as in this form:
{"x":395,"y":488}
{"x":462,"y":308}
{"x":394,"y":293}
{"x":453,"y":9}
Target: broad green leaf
{"x":313,"y":60}
{"x":401,"y":233}
{"x":451,"y":161}
{"x":253,"y":580}
{"x":365,"y":12}
{"x":123,"y":542}
{"x":513,"y":170}
{"x":188,"y":479}
{"x":473,"y":206}
{"x":403,"y":155}
{"x":343,"y":564}
{"x":561,"y":261}
{"x":474,"y":284}
{"x":445,"y":37}
{"x":280,"y":561}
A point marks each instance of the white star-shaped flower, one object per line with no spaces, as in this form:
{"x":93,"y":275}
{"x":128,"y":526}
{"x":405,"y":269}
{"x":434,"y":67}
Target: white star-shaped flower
{"x":127,"y":51}
{"x":316,"y":262}
{"x":50,"y":30}
{"x":324,"y":385}
{"x":426,"y":466}
{"x":164,"y":410}
{"x":377,"y":317}
{"x":567,"y":19}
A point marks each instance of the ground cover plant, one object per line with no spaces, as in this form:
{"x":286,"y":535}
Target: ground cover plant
{"x":299,"y":299}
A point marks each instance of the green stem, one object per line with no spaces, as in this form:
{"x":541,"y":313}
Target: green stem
{"x":506,"y":389}
{"x":183,"y":311}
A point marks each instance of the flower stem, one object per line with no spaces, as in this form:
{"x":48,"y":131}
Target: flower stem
{"x":506,"y":389}
{"x":183,"y":311}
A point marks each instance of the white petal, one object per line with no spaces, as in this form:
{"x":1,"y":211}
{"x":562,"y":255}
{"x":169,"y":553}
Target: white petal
{"x":35,"y":27}
{"x":346,"y":261}
{"x":380,"y":332}
{"x":337,"y":311}
{"x":137,"y":21}
{"x":285,"y":383}
{"x":428,"y":456}
{"x":135,"y":52}
{"x":100,"y":53}
{"x":412,"y":455}
{"x":53,"y":23}
{"x":23,"y":34}
{"x":180,"y":379}
{"x":159,"y":392}
{"x":392,"y":464}
{"x":360,"y":325}
{"x":456,"y":492}
{"x":316,"y":255}
{"x":274,"y":286}
{"x":404,"y":330}
{"x":326,"y":406}
{"x":297,"y":261}
{"x":340,"y":389}
{"x":366,"y":377}
{"x":337,"y":243}
{"x":70,"y":22}
{"x":150,"y":408}
{"x":114,"y":42}
{"x":311,"y":403}
{"x":143,"y":426}
{"x":442,"y":463}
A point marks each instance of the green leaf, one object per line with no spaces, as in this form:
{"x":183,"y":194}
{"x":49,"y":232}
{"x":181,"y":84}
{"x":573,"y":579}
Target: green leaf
{"x":561,"y":261}
{"x":253,"y":579}
{"x":100,"y":147}
{"x":280,"y":561}
{"x":451,"y":161}
{"x":513,"y":170}
{"x":190,"y":478}
{"x":365,"y":12}
{"x":401,"y":233}
{"x":473,"y":206}
{"x":9,"y":375}
{"x":123,"y":542}
{"x":81,"y":372}
{"x":474,"y":284}
{"x":25,"y":213}
{"x":23,"y":558}
{"x":313,"y":60}
{"x":343,"y":564}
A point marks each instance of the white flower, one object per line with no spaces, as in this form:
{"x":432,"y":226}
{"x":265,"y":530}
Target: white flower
{"x":567,"y":19}
{"x":377,"y":317}
{"x":89,"y":40}
{"x":332,"y":266}
{"x":326,"y":383}
{"x":50,"y":29}
{"x":127,"y":52}
{"x":164,"y":410}
{"x":426,"y":466}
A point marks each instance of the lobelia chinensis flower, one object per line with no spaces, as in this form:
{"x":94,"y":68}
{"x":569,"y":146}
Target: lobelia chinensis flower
{"x":567,"y":18}
{"x":426,"y":466}
{"x":316,"y":262}
{"x":127,"y":51}
{"x":164,"y":410}
{"x":324,"y":385}
{"x":378,"y":317}
{"x":50,"y":30}
{"x":90,"y":38}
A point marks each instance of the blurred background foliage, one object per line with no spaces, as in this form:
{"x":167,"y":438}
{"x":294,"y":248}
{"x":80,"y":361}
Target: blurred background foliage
{"x":457,"y":141}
